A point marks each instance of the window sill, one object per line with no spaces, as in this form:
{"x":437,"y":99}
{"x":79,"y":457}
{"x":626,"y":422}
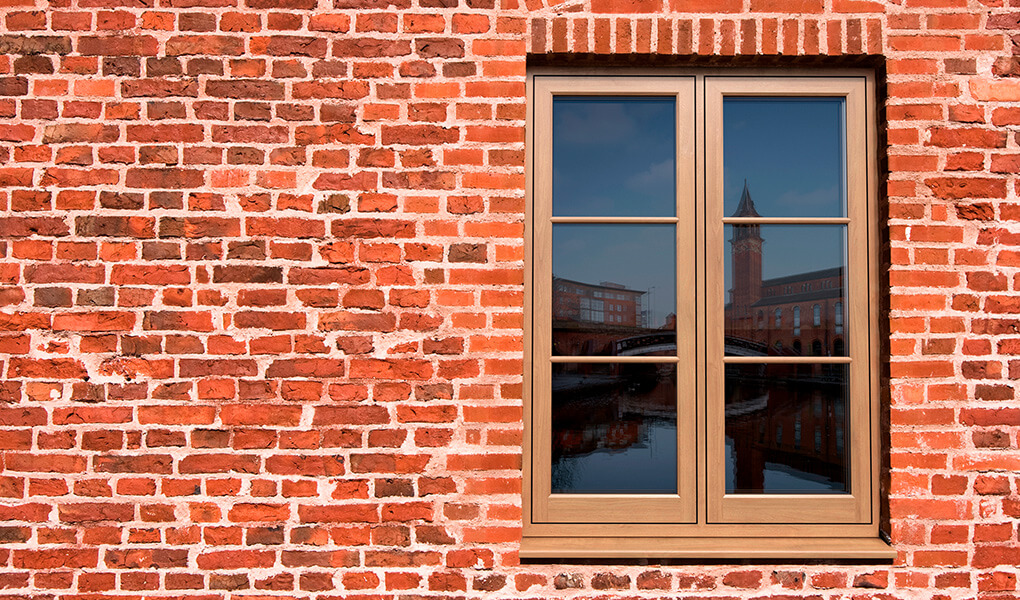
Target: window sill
{"x":707,"y":548}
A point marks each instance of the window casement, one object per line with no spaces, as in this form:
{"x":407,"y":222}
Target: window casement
{"x":689,"y":426}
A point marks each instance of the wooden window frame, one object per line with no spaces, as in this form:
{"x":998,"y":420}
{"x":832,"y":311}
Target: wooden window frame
{"x":701,"y":521}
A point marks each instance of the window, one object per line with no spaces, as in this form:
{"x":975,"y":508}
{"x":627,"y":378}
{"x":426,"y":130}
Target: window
{"x":796,"y":320}
{"x":681,"y":432}
{"x":817,"y":310}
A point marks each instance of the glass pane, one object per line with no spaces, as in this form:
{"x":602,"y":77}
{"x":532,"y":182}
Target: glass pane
{"x":776,"y":275}
{"x":786,"y":429}
{"x":614,"y":428}
{"x":614,"y":156}
{"x":614,"y":290}
{"x":784,"y":157}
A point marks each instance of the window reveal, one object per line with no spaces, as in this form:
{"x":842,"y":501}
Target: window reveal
{"x":672,"y":407}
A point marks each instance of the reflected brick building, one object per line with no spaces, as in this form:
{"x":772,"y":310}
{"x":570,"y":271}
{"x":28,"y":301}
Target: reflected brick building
{"x":607,"y":303}
{"x":588,"y":318}
{"x":800,"y":314}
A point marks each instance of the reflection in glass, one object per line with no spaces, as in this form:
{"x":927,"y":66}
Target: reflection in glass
{"x":614,"y":156}
{"x":614,"y":428}
{"x":774,"y":272}
{"x":791,"y":153}
{"x":786,"y":427}
{"x":613,"y":290}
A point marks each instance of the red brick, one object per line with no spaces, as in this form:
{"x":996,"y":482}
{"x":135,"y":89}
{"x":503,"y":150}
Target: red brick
{"x":94,"y":321}
{"x":976,"y":187}
{"x":966,"y":138}
{"x":234,"y":559}
{"x":279,"y":416}
{"x":56,"y":558}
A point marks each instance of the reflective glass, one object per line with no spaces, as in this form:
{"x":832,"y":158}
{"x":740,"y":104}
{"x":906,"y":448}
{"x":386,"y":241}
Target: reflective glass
{"x":774,"y":270}
{"x":614,"y":156}
{"x":790,"y":153}
{"x":786,"y":429}
{"x":613,"y":290}
{"x":614,"y":428}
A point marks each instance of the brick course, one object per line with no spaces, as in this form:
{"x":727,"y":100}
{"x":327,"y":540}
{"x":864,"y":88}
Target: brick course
{"x":262,"y":284}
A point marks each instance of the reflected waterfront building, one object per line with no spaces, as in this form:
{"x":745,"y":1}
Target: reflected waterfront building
{"x":606,"y":319}
{"x":785,"y":423}
{"x":606,"y":303}
{"x":795,"y":315}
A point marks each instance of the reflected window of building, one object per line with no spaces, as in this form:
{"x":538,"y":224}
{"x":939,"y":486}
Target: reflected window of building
{"x":838,"y":309}
{"x":817,"y":311}
{"x":796,"y":320}
{"x":779,"y":318}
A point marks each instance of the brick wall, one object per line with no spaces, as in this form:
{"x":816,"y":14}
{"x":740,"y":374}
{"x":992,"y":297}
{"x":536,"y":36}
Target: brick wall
{"x":261,"y":289}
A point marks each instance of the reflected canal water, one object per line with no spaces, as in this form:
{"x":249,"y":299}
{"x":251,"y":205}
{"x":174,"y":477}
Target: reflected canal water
{"x":614,"y":429}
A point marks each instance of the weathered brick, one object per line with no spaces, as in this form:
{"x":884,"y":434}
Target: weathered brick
{"x":35,"y":44}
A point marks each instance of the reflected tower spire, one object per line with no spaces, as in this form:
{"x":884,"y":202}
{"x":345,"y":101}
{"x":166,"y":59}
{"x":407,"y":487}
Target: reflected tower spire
{"x":746,"y":206}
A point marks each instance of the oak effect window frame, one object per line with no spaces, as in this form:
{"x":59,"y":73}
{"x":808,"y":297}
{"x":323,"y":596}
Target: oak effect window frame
{"x":701,"y":520}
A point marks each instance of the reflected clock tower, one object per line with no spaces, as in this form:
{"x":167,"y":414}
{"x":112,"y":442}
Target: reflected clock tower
{"x":746,"y":252}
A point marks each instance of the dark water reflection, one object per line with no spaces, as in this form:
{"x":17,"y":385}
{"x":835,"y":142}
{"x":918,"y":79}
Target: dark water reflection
{"x":786,"y":429}
{"x":614,"y":428}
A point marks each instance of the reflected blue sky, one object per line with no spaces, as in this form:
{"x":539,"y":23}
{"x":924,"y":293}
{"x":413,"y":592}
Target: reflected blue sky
{"x":783,"y":479}
{"x":791,"y":153}
{"x":614,"y":156}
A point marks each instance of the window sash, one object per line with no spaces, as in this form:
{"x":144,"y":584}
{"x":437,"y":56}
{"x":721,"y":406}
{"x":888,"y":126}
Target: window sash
{"x":854,"y":507}
{"x":547,"y":507}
